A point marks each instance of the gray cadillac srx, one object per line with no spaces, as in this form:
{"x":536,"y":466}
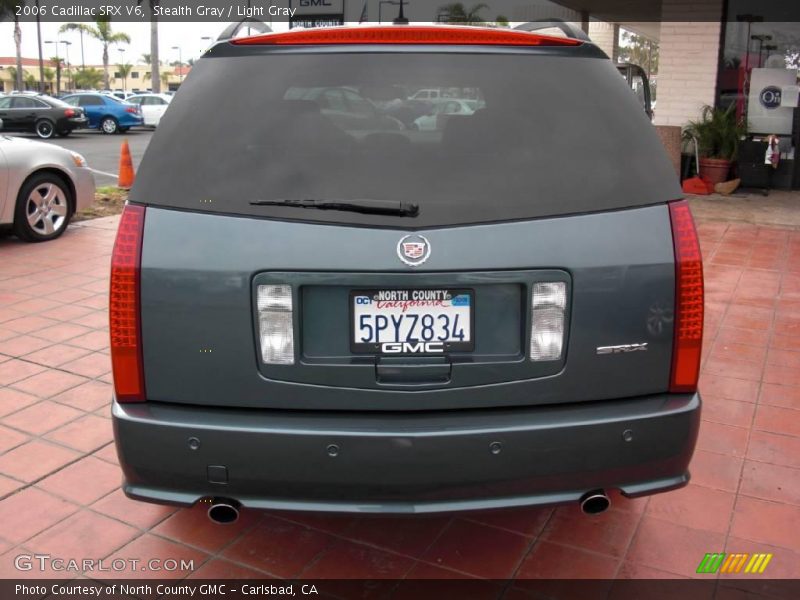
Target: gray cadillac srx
{"x":405,"y":269}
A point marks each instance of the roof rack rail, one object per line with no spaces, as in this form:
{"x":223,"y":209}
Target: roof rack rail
{"x":234,"y":28}
{"x":568,"y":28}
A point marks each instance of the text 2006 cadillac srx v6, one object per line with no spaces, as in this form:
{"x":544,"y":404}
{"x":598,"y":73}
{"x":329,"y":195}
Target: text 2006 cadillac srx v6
{"x":340,"y":296}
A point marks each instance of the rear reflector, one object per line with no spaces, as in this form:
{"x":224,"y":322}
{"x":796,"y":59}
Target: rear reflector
{"x":124,"y":308}
{"x":548,"y":305}
{"x":275,"y":324}
{"x":688,"y":341}
{"x":453,"y":35}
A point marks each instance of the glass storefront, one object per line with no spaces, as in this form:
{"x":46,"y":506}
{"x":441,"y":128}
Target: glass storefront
{"x":758,"y":73}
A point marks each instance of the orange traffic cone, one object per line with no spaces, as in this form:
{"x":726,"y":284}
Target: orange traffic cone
{"x":126,"y":174}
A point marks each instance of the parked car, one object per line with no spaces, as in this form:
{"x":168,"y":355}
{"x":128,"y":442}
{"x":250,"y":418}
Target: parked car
{"x":153,"y":107}
{"x":107,"y":113}
{"x":345,"y":107}
{"x":437,"y":117}
{"x":118,"y":94}
{"x":39,"y":114}
{"x":310,"y":314}
{"x":41,"y":187}
{"x":428,"y":95}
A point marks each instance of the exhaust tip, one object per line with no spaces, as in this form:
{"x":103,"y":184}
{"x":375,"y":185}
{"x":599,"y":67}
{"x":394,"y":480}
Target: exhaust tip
{"x":223,"y":511}
{"x":594,"y":502}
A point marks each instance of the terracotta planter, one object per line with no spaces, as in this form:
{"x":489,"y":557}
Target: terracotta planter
{"x":714,"y":170}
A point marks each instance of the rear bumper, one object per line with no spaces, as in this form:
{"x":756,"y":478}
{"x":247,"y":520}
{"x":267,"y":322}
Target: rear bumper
{"x":73,"y":124}
{"x":406,"y":463}
{"x":130,"y":120}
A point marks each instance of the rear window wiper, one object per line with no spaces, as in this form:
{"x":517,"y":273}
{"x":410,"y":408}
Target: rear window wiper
{"x":368,"y":207}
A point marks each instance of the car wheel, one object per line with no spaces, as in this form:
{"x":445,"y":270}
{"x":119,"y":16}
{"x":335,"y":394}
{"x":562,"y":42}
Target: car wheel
{"x":45,"y":129}
{"x":43,"y":208}
{"x":109,"y":125}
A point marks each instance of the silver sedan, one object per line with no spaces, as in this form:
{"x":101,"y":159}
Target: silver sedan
{"x":41,"y":187}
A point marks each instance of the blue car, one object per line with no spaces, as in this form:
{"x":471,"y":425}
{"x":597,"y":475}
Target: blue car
{"x":107,"y":113}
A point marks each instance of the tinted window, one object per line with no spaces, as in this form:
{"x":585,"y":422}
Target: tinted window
{"x":5,"y":103}
{"x":20,"y":102}
{"x":56,"y":102}
{"x":91,"y":101}
{"x":329,"y":126}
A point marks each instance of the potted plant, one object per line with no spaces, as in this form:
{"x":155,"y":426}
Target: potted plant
{"x":718,"y":132}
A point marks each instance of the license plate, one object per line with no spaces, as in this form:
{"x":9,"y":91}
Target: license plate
{"x":412,"y":321}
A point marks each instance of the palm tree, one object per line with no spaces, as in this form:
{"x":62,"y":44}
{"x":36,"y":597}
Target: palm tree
{"x":124,"y":70}
{"x":57,"y":62}
{"x":48,"y":74}
{"x":102,"y":33}
{"x":9,"y":9}
{"x":457,"y":13}
{"x":164,"y":78}
{"x":13,"y":71}
{"x":155,"y":77}
{"x":30,"y":81}
{"x":87,"y":79}
{"x":145,"y":58}
{"x":80,"y":27}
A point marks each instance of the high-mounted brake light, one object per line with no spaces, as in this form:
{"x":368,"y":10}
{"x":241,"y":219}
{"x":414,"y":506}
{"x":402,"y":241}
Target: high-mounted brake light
{"x":688,"y":342}
{"x":406,"y":35}
{"x":124,"y":307}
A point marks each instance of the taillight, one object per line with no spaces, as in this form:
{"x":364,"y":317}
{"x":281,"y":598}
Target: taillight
{"x":69,"y":113}
{"x":548,"y":306}
{"x":407,"y":35}
{"x":275,"y":324}
{"x":131,"y":110}
{"x":124,"y":307}
{"x":688,"y":340}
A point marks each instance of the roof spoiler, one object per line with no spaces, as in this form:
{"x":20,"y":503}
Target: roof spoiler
{"x":234,"y":28}
{"x":569,"y":29}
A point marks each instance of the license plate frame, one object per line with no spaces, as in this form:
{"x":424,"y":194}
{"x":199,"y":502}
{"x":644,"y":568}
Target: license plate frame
{"x":374,"y":348}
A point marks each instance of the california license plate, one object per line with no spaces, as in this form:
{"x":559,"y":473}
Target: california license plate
{"x":412,"y":321}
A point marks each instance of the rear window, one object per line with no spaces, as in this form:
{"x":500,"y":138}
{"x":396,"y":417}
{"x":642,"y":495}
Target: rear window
{"x":469,"y":137}
{"x":57,"y":102}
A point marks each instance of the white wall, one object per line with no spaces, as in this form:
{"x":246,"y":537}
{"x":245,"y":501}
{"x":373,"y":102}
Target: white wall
{"x":688,"y":59}
{"x":606,"y":37}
